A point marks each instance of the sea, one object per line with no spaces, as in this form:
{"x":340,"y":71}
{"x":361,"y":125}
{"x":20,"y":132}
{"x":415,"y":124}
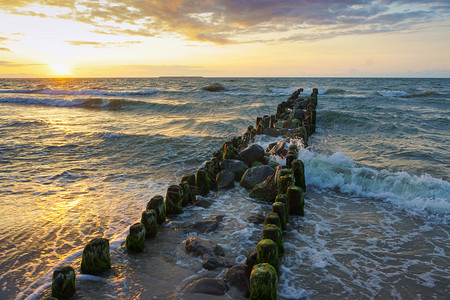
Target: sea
{"x":80,"y":159}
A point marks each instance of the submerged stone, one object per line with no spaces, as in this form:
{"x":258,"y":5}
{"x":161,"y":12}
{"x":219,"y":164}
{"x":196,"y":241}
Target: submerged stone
{"x":136,"y":238}
{"x":157,"y":204}
{"x":236,"y":166}
{"x":263,"y":282}
{"x":149,"y":219}
{"x":210,"y":286}
{"x":96,"y":258}
{"x":212,"y":254}
{"x":256,"y":175}
{"x":237,"y":276}
{"x":63,"y":282}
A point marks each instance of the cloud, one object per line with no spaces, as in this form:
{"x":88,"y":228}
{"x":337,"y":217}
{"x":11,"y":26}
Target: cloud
{"x":4,"y":49}
{"x":4,"y":63}
{"x":236,"y":21}
{"x":103,"y":44}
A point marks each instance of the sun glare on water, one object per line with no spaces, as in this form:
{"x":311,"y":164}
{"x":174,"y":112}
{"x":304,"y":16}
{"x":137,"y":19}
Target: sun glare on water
{"x":60,"y":69}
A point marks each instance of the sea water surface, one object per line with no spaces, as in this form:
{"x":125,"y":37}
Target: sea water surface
{"x":80,"y":158}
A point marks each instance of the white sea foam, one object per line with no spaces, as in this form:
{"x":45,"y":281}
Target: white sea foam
{"x":388,"y":93}
{"x":417,"y":195}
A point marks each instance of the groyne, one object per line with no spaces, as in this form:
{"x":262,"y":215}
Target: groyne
{"x":237,"y":160}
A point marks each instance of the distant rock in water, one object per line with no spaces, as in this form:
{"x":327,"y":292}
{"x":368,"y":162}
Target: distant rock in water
{"x":216,"y":87}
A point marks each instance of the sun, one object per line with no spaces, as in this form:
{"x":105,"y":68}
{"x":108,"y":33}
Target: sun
{"x":60,"y":69}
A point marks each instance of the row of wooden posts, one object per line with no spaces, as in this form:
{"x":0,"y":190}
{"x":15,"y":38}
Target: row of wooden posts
{"x":295,"y":118}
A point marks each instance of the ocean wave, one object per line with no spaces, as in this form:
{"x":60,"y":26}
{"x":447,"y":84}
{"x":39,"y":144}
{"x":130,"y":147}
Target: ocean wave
{"x":403,"y":94}
{"x":289,"y":91}
{"x":48,"y":91}
{"x":418,"y":195}
{"x":333,"y":91}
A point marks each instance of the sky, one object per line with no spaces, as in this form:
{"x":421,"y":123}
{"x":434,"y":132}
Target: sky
{"x":233,"y":38}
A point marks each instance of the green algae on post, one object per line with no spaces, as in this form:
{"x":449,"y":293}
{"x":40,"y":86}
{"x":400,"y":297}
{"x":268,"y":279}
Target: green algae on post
{"x":63,"y":282}
{"x":263,"y":282}
{"x":96,"y":257}
{"x":136,"y":238}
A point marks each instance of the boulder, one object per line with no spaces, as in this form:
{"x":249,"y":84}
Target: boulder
{"x":256,"y":175}
{"x":136,"y":238}
{"x":237,"y":276}
{"x":207,"y":225}
{"x":63,"y":282}
{"x":215,"y":87}
{"x":225,"y":179}
{"x":212,"y":254}
{"x":250,"y":154}
{"x":157,"y":204}
{"x":263,"y":282}
{"x":149,"y":219}
{"x":255,"y":219}
{"x":210,"y":286}
{"x":236,"y":166}
{"x":279,"y":149}
{"x":271,"y":132}
{"x":267,"y":190}
{"x":96,"y":258}
{"x":201,"y":202}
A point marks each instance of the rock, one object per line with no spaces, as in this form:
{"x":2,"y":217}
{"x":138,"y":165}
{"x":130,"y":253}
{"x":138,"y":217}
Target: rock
{"x":297,"y":114}
{"x":203,"y":203}
{"x":225,"y":179}
{"x":237,"y":276}
{"x":273,"y":218}
{"x":255,"y":219}
{"x":157,"y":204}
{"x":256,"y":175}
{"x":256,"y":164}
{"x":250,"y":262}
{"x":215,"y":87}
{"x":174,"y":198}
{"x":212,"y":254}
{"x":250,"y":154}
{"x":271,"y":132}
{"x":210,"y":286}
{"x":202,"y":182}
{"x":302,"y":104}
{"x":263,"y":282}
{"x":267,"y":252}
{"x":236,"y":166}
{"x":136,"y":238}
{"x":96,"y":257}
{"x":63,"y":282}
{"x":298,"y":168}
{"x":269,"y":188}
{"x":279,"y":149}
{"x":279,"y":209}
{"x":274,"y":233}
{"x":207,"y":225}
{"x":149,"y":219}
{"x":259,"y":192}
{"x":296,"y":201}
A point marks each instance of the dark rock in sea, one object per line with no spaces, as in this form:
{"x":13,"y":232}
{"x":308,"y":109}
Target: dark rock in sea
{"x":250,"y":262}
{"x":271,"y":132}
{"x":210,"y":286}
{"x":157,"y":204}
{"x":279,"y":149}
{"x":96,"y":257}
{"x":135,"y":241}
{"x":149,"y":219}
{"x":237,"y":276}
{"x":297,"y":114}
{"x":207,"y":225}
{"x":263,"y":282}
{"x":255,"y":219}
{"x":256,"y":175}
{"x":302,"y":104}
{"x":236,"y":166}
{"x":63,"y":282}
{"x":225,"y":179}
{"x":216,"y":87}
{"x":252,"y":153}
{"x":174,"y":200}
{"x":212,"y":254}
{"x":201,"y":202}
{"x":267,"y":190}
